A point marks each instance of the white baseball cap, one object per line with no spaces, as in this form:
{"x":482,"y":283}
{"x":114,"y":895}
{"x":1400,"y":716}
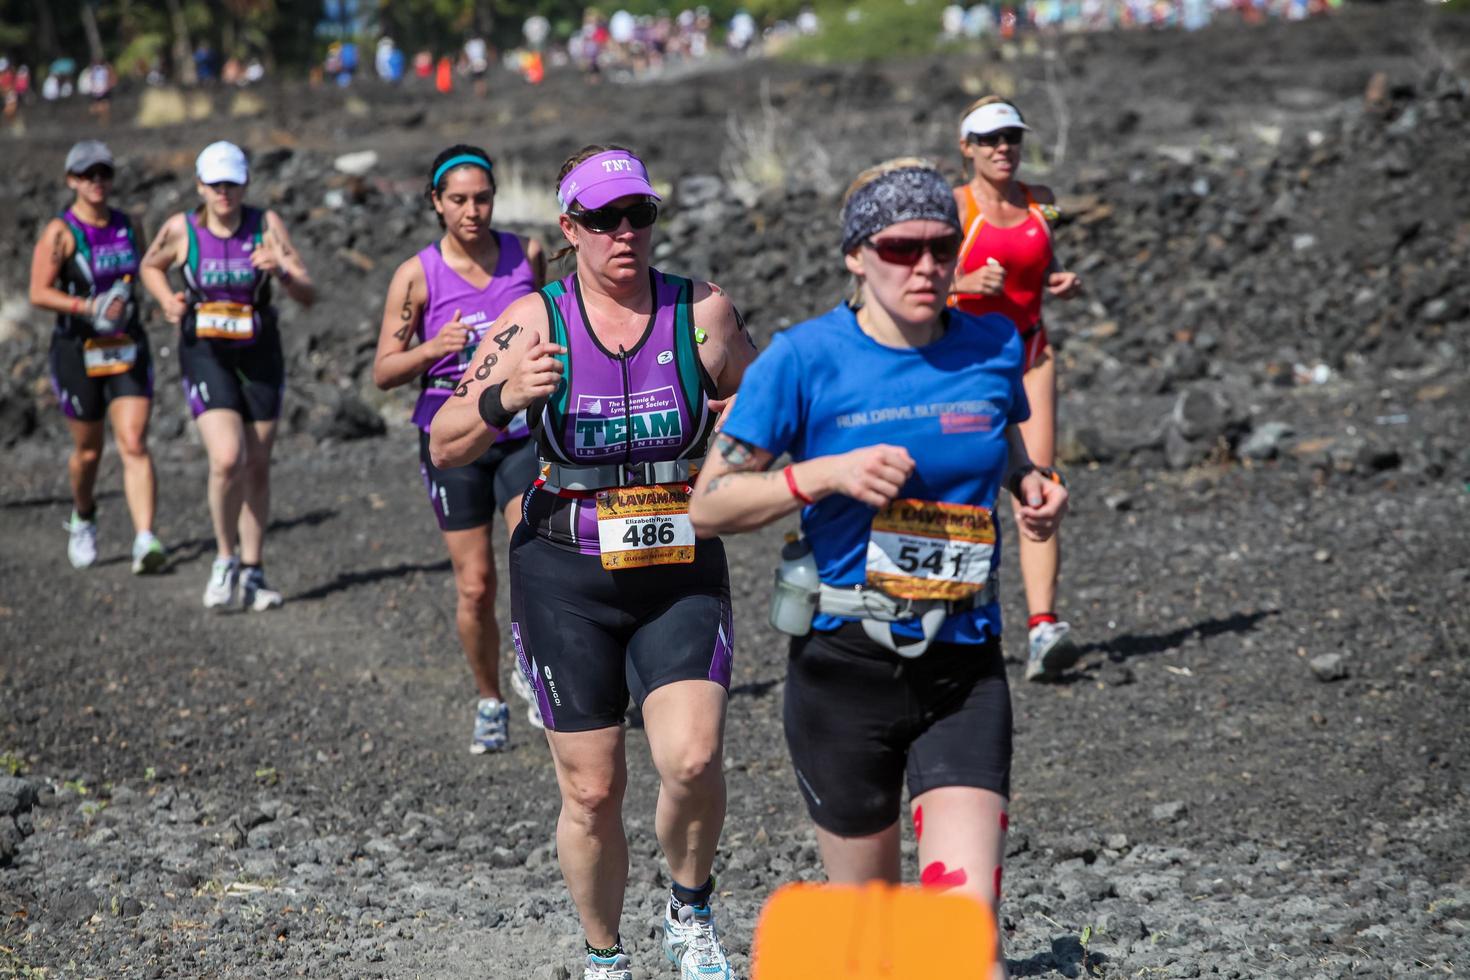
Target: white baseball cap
{"x":222,"y":161}
{"x":992,"y":117}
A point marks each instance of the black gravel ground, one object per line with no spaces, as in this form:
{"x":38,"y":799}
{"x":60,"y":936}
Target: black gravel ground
{"x":1259,"y":768}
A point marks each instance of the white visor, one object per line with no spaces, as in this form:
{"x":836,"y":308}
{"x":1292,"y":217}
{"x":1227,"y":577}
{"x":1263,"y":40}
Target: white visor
{"x":990,"y":118}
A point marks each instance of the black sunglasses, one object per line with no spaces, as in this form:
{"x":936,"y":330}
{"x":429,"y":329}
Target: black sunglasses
{"x":906,"y":251}
{"x":1011,"y":137}
{"x":97,"y":174}
{"x":221,"y":186}
{"x":607,"y":218}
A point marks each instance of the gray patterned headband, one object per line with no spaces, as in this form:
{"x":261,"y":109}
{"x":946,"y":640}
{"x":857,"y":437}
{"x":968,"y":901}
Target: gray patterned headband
{"x":913,"y":193}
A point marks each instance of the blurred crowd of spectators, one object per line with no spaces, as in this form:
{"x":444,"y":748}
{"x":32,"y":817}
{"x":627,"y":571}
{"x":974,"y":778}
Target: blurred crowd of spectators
{"x":983,"y":20}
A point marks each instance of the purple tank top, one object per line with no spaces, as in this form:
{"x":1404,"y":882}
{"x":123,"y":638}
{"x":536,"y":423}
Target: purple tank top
{"x":478,"y":309}
{"x":645,"y":404}
{"x":109,"y":253}
{"x":218,"y":270}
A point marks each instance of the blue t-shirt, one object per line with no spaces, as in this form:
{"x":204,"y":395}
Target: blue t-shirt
{"x":824,"y":387}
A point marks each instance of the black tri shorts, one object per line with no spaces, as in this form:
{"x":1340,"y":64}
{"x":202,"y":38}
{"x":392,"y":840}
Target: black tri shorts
{"x":249,"y":379}
{"x":84,"y":398}
{"x":860,"y":718}
{"x":587,"y":638}
{"x":473,"y":495}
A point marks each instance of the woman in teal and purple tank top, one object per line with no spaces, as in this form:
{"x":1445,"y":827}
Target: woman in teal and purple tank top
{"x":621,"y":370}
{"x":84,"y":269}
{"x":231,"y":258}
{"x":438,"y":311}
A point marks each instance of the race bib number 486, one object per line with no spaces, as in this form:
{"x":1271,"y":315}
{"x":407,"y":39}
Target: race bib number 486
{"x":640,"y":526}
{"x":922,"y":549}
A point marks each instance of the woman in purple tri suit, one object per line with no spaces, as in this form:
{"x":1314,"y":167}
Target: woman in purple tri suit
{"x":439,"y":308}
{"x":231,"y":257}
{"x":622,"y":371}
{"x":84,"y":269}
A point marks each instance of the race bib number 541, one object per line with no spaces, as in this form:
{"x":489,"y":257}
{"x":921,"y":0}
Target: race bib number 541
{"x":923,"y":549}
{"x":640,"y":526}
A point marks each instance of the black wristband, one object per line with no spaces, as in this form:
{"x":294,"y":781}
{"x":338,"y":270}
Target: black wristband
{"x":494,"y":414}
{"x":1014,"y":484}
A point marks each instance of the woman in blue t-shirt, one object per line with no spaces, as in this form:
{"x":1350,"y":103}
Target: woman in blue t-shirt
{"x":899,"y":417}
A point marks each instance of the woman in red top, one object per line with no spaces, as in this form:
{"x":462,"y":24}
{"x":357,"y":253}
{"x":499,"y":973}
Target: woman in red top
{"x":1006,"y":266}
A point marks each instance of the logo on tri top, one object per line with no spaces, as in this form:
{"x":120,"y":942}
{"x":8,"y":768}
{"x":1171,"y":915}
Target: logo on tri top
{"x":226,"y":272}
{"x":604,"y":425}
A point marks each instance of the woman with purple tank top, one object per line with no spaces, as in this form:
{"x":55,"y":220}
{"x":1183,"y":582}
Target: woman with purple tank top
{"x":622,"y":370}
{"x":439,"y":308}
{"x":84,"y":270}
{"x":230,"y":354}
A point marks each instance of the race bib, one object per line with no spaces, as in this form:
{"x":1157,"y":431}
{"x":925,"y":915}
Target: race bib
{"x":921,"y":549}
{"x":225,"y":321}
{"x":640,"y":526}
{"x":106,"y":356}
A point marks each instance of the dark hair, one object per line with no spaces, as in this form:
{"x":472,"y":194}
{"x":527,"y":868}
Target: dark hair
{"x":584,"y":154}
{"x":457,"y":150}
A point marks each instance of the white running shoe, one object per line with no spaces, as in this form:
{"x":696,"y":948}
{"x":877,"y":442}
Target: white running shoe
{"x":255,"y":595}
{"x":224,"y":576}
{"x":522,"y":687}
{"x":148,"y":554}
{"x":693,"y":944}
{"x":617,"y":967}
{"x":1051,"y":650}
{"x":81,"y":549}
{"x":492,"y":727}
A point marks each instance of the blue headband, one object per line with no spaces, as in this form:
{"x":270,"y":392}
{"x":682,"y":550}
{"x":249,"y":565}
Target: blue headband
{"x":460,"y":160}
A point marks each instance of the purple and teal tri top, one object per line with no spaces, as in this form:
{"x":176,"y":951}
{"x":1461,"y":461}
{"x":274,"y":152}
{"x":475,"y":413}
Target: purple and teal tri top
{"x":218,"y":270}
{"x":478,"y":309}
{"x":102,"y":256}
{"x":644,"y":405}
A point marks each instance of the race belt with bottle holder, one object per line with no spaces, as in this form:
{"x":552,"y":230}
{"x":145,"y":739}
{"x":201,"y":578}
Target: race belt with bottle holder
{"x":877,"y":610}
{"x":642,"y":508}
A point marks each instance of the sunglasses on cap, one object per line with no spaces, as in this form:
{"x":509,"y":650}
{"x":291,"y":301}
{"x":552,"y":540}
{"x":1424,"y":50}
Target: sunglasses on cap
{"x":97,"y":174}
{"x":906,"y":251}
{"x":1011,"y":137}
{"x":607,"y":218}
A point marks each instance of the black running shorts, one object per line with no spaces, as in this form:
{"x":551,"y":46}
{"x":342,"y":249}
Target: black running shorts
{"x":860,"y":718}
{"x":86,"y":399}
{"x":250,"y":380}
{"x":475,"y":494}
{"x":588,"y":638}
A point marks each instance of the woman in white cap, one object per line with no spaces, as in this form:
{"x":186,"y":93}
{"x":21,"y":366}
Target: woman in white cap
{"x":616,"y":366}
{"x":230,"y":352}
{"x":1007,"y":265}
{"x":84,"y":270}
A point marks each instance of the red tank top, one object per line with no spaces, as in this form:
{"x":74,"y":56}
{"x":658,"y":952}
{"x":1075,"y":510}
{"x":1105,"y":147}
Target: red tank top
{"x":1024,"y":250}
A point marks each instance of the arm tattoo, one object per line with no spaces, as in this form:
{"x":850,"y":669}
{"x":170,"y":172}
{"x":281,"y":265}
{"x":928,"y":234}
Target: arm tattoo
{"x":734,"y":452}
{"x":406,"y":314}
{"x":481,"y":373}
{"x":502,"y":339}
{"x":725,"y":478}
{"x":58,"y":249}
{"x":160,"y":242}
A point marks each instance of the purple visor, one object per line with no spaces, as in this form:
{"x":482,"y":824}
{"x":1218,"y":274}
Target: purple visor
{"x":603,"y":178}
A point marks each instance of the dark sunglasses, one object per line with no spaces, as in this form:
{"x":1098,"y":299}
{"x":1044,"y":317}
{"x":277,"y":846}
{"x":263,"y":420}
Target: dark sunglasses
{"x":606,"y":219}
{"x":222,"y":186}
{"x":97,"y":174}
{"x":906,"y":251}
{"x":1011,"y":137}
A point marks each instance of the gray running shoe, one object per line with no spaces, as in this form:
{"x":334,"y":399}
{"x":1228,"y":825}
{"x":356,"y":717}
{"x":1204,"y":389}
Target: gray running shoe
{"x":224,"y":577}
{"x":81,"y":548}
{"x":1051,"y":651}
{"x":522,"y":687}
{"x":492,"y":727}
{"x":255,"y":595}
{"x":148,"y":554}
{"x":617,"y":967}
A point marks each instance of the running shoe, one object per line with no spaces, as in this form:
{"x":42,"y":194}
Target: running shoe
{"x":1051,"y":651}
{"x":224,"y":576}
{"x":693,"y":945}
{"x":82,"y":548}
{"x":522,"y":687}
{"x":255,"y":595}
{"x":492,"y":726}
{"x":617,"y":967}
{"x":148,"y":554}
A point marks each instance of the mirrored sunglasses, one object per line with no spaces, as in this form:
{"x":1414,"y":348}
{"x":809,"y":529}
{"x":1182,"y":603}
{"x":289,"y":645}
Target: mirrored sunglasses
{"x":906,"y":251}
{"x":607,"y":219}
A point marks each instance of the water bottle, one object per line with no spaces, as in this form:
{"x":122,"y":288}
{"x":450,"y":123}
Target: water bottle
{"x":794,"y":598}
{"x":120,"y":290}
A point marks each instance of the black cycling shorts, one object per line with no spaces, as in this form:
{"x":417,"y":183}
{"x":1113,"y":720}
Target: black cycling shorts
{"x":859,"y":718}
{"x":250,"y":380}
{"x":86,"y":399}
{"x":588,"y":638}
{"x":473,"y":495}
